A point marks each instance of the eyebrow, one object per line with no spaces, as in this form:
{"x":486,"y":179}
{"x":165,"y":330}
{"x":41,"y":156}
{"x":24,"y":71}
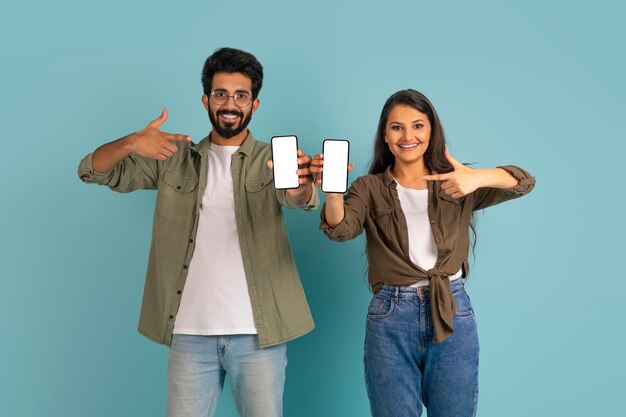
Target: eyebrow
{"x":236,"y":91}
{"x":414,"y":121}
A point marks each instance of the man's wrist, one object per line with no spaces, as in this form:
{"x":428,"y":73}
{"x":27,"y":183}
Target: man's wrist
{"x":302,"y":194}
{"x":128,"y":143}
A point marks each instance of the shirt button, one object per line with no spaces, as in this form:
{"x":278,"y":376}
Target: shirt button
{"x":179,"y":292}
{"x":184,"y":266}
{"x":432,"y":222}
{"x":437,"y":239}
{"x":190,"y":240}
{"x":178,"y":187}
{"x":171,"y":316}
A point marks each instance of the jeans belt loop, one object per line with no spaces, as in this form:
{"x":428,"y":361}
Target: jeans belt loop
{"x":396,"y":292}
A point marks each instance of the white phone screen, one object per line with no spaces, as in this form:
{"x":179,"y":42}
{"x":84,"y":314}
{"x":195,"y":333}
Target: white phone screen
{"x":335,"y":173}
{"x":285,"y":159}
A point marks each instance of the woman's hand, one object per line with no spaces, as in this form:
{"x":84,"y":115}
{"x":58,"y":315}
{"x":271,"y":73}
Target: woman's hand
{"x":464,"y":180}
{"x":333,"y":209}
{"x":317,"y":167}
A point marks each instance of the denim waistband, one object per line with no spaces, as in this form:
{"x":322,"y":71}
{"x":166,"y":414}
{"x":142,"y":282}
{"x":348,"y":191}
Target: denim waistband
{"x":406,"y":292}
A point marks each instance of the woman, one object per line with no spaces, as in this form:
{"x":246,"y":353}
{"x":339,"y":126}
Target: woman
{"x":416,"y":207}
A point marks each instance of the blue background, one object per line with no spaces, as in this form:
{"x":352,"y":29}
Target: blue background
{"x":535,"y":83}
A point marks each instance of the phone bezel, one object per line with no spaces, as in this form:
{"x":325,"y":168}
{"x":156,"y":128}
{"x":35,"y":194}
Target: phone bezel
{"x":347,"y":161}
{"x":273,"y":172}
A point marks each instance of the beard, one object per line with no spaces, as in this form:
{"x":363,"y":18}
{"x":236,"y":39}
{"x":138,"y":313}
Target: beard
{"x":230,"y":129}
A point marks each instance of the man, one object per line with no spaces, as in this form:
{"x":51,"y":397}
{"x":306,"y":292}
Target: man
{"x":221,"y":287}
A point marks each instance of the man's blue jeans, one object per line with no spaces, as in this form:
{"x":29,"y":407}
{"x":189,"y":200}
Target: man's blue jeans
{"x":198,"y":365}
{"x":405,"y":368}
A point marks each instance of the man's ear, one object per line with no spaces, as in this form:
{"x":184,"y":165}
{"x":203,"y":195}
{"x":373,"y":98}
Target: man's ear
{"x":255,"y":104}
{"x":205,"y":101}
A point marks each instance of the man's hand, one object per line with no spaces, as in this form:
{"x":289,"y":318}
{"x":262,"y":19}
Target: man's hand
{"x":303,"y":193}
{"x":151,"y":142}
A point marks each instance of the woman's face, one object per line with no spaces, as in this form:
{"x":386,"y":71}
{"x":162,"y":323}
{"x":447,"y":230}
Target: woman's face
{"x":407,"y":134}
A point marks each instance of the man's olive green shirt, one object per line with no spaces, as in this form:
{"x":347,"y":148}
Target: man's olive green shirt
{"x":372,"y":204}
{"x":279,"y":307}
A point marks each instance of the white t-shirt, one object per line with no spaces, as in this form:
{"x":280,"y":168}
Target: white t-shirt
{"x":422,"y":247}
{"x":215,"y":299}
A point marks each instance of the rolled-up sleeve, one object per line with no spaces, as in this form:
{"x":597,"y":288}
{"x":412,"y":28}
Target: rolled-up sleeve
{"x":87,"y":174}
{"x":131,"y":173}
{"x":486,"y":197}
{"x":312,"y":204}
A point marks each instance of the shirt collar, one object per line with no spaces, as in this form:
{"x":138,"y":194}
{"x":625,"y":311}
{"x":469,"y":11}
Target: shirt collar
{"x":389,"y":180}
{"x":246,"y":147}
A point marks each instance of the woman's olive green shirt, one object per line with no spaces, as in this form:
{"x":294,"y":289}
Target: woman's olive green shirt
{"x":279,"y":307}
{"x":372,"y":204}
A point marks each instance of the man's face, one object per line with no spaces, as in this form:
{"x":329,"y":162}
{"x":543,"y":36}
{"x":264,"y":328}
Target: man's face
{"x":226,"y":104}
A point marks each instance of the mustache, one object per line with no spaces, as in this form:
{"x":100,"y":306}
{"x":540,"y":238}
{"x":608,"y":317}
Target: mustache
{"x":229,"y":112}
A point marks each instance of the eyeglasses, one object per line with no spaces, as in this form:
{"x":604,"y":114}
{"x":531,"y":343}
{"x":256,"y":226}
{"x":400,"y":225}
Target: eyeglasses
{"x":220,"y":97}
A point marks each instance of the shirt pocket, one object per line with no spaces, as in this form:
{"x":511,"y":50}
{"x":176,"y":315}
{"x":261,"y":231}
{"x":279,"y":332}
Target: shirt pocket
{"x":261,"y":196}
{"x":450,"y":210}
{"x":177,"y":196}
{"x":382,"y":219}
{"x":448,"y":198}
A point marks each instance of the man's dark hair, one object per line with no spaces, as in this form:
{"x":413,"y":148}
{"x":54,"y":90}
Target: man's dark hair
{"x":232,"y":61}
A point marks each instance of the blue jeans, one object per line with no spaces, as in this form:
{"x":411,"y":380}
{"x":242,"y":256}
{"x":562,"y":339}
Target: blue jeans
{"x":405,"y":368}
{"x":198,"y":365}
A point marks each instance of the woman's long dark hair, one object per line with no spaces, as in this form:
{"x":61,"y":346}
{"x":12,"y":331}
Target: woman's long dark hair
{"x":434,"y":157}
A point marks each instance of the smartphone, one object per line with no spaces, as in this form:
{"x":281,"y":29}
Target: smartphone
{"x":335,"y":174}
{"x":285,"y":160}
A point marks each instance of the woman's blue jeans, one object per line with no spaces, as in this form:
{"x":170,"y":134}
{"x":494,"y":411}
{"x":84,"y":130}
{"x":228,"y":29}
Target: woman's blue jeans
{"x":404,"y":368}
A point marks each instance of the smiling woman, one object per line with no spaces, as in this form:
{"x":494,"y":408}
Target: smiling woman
{"x":407,"y":136}
{"x":416,"y":206}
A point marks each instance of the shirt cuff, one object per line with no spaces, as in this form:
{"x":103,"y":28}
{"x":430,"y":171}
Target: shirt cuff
{"x":525,"y":181}
{"x":338,"y":233}
{"x":312,"y":204}
{"x":87,"y":174}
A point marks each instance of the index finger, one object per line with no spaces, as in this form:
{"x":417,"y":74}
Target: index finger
{"x":175,"y":136}
{"x":436,"y":177}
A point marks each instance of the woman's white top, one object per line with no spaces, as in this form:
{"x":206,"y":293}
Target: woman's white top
{"x":422,"y":247}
